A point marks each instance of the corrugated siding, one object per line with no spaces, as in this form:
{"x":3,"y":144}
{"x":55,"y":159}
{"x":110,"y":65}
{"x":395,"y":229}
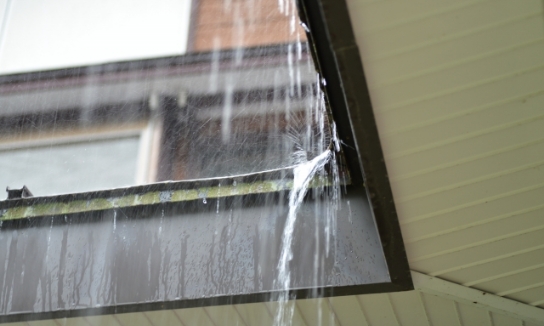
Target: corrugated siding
{"x":458,"y":93}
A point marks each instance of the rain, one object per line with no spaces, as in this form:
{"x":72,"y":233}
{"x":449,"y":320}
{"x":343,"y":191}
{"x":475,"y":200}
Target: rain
{"x":177,"y":157}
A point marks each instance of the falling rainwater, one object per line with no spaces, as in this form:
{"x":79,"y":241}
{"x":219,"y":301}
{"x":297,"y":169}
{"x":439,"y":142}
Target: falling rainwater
{"x":303,"y":174}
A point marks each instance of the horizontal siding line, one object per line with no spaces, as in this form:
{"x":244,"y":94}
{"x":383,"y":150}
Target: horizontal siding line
{"x":494,"y":277}
{"x":392,"y":308}
{"x":464,"y":136}
{"x":234,"y":311}
{"x":91,"y":320}
{"x":298,"y":311}
{"x":178,"y":317}
{"x":470,"y":204}
{"x":490,"y":105}
{"x":475,"y":244}
{"x":235,"y":308}
{"x":471,"y":225}
{"x":422,"y":302}
{"x":485,"y":261}
{"x":458,"y":89}
{"x":150,"y":322}
{"x":520,"y":289}
{"x":536,"y":303}
{"x":117,"y":320}
{"x":453,"y":64}
{"x":491,"y":318}
{"x":86,"y":320}
{"x":469,"y":297}
{"x":370,"y":59}
{"x":458,"y":313}
{"x":333,"y":312}
{"x":240,"y":318}
{"x":469,"y":182}
{"x":465,"y":160}
{"x":361,"y":307}
{"x":395,"y":24}
{"x":208,"y":316}
{"x":267,"y":308}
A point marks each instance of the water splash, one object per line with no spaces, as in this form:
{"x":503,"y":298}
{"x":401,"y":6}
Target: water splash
{"x":303,"y":174}
{"x":335,"y":138}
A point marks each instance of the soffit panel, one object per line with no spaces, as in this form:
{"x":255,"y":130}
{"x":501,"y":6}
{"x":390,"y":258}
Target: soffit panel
{"x":291,"y":308}
{"x":348,"y":311}
{"x":255,"y":314}
{"x":92,"y":320}
{"x":457,"y":90}
{"x":448,"y":21}
{"x":501,"y":267}
{"x":402,"y":308}
{"x":193,"y":316}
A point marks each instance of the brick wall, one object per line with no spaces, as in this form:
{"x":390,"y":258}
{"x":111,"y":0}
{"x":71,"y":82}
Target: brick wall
{"x":241,"y":23}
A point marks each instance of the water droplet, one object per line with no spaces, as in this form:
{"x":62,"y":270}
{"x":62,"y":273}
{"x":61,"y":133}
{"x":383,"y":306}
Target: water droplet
{"x":306,"y":28}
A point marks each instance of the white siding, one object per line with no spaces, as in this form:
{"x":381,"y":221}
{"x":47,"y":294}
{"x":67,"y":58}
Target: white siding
{"x":458,"y":93}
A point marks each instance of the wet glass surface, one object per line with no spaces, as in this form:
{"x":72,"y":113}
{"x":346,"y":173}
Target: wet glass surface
{"x":234,"y":104}
{"x":68,"y":168}
{"x":212,"y":250}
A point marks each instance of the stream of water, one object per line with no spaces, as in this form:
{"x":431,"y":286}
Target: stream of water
{"x":303,"y":174}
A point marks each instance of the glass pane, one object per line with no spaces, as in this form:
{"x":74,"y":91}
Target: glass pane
{"x":67,"y":168}
{"x":244,"y":99}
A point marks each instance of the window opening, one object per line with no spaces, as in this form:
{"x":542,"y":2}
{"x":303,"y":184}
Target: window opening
{"x":253,"y":120}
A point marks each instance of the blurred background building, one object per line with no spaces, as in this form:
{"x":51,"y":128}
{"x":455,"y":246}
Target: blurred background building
{"x":198,"y":90}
